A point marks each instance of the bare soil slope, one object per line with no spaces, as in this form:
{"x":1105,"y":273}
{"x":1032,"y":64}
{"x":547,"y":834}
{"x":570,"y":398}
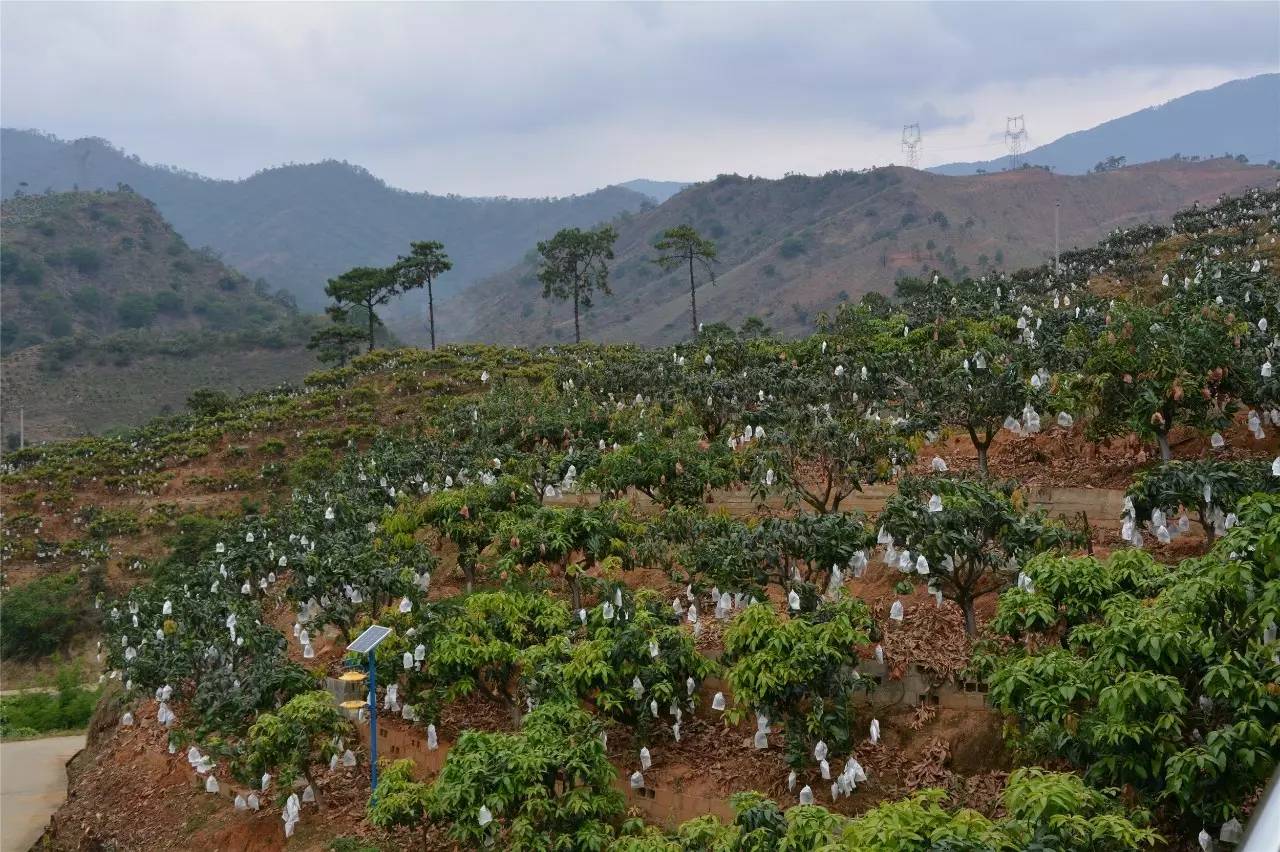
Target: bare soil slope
{"x":792,"y":248}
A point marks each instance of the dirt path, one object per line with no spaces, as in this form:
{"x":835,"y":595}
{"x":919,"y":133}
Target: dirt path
{"x":33,"y":783}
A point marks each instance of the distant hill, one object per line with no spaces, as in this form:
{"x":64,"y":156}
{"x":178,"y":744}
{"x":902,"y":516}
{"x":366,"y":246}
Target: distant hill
{"x":107,"y":316}
{"x":1241,"y":117}
{"x":299,"y":225}
{"x":793,"y":247}
{"x":658,"y":190}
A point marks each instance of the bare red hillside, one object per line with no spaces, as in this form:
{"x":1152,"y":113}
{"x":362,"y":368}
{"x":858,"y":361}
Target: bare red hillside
{"x":793,"y":247}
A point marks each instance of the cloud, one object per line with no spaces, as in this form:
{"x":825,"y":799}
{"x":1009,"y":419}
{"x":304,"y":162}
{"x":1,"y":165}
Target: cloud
{"x":531,"y":98}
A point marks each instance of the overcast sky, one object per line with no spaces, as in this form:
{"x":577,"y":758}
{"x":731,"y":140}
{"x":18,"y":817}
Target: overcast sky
{"x":549,"y":99}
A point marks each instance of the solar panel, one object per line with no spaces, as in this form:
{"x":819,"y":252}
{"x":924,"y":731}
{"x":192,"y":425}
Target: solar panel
{"x":369,"y":639}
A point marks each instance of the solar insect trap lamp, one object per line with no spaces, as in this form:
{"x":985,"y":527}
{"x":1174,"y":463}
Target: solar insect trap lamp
{"x":365,"y":644}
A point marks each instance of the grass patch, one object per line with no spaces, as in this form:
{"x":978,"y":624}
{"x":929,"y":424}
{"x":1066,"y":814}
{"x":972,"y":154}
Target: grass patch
{"x":37,"y":714}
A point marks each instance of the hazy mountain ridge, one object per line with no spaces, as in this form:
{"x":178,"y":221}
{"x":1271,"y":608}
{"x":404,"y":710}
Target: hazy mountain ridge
{"x":790,"y":248}
{"x":299,"y":225}
{"x":658,"y":190}
{"x":1238,"y":117}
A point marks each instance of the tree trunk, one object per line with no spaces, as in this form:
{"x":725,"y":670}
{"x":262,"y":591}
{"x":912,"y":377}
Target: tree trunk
{"x":370,"y":307}
{"x":431,"y":313}
{"x":982,"y":459}
{"x":693,"y":300}
{"x":970,"y":622}
{"x":306,"y":773}
{"x":1206,"y":525}
{"x":575,"y":590}
{"x":1162,"y":438}
{"x":468,"y":574}
{"x":577,"y":329}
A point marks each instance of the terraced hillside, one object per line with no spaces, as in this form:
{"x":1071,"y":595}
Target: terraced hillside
{"x":888,"y":632}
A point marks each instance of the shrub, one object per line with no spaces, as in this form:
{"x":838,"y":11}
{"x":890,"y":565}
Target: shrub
{"x":136,"y":310}
{"x":168,"y":302}
{"x":86,"y":260}
{"x":40,"y":617}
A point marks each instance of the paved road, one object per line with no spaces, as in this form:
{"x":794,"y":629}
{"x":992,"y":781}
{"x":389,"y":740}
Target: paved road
{"x":33,"y":783}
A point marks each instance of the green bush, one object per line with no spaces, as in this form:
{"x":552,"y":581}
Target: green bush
{"x":86,"y":260}
{"x":136,"y":310}
{"x":169,"y":302}
{"x":89,"y":299}
{"x":40,"y":617}
{"x":68,"y":709}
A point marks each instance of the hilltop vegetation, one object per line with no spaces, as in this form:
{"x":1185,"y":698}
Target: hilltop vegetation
{"x":299,"y":225}
{"x":790,"y":249}
{"x":109,"y":315}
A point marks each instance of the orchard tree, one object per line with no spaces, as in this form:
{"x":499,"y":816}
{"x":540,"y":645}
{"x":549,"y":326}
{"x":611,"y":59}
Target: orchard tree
{"x":570,"y":541}
{"x":365,"y":287}
{"x":484,"y":645}
{"x":611,"y":654}
{"x":974,"y":389}
{"x":574,"y":265}
{"x":818,"y":458}
{"x":400,"y":801}
{"x":1165,"y":678}
{"x":798,"y":671}
{"x":425,"y":263}
{"x":1154,"y":368}
{"x":670,"y":471}
{"x":684,"y":246}
{"x":972,"y":534}
{"x":1211,"y":488}
{"x":549,"y":786}
{"x":294,"y":739}
{"x":465,"y":516}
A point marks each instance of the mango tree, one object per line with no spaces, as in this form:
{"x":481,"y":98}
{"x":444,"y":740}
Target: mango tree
{"x":799,"y":671}
{"x":549,"y":786}
{"x":1167,"y":685}
{"x":971,"y":534}
{"x":819,"y":459}
{"x":294,"y":739}
{"x":483,"y":646}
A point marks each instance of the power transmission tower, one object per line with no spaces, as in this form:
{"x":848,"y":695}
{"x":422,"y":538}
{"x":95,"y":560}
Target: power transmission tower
{"x":911,"y":144}
{"x":1015,"y":136}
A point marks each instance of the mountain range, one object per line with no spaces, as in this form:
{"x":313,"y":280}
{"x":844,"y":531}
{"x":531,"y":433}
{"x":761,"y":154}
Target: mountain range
{"x":1241,"y":117}
{"x":297,"y":226}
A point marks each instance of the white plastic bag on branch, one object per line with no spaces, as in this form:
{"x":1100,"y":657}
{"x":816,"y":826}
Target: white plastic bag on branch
{"x":484,"y":816}
{"x":637,"y":780}
{"x":308,"y":795}
{"x":875,"y":731}
{"x":806,"y":795}
{"x":433,"y":741}
{"x":646,"y":760}
{"x":211,"y":785}
{"x":240,"y":804}
{"x":895,"y":611}
{"x":127,"y":719}
{"x":938,"y":465}
{"x":717,"y":702}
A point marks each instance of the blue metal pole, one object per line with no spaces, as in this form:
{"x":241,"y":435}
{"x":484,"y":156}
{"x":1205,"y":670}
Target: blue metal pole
{"x":373,"y":728}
